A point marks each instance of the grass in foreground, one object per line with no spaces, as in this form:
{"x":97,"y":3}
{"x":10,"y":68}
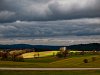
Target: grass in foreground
{"x":50,"y":72}
{"x":18,"y":64}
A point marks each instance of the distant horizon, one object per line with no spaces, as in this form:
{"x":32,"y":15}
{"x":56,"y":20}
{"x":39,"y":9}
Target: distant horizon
{"x":53,"y":41}
{"x":48,"y":45}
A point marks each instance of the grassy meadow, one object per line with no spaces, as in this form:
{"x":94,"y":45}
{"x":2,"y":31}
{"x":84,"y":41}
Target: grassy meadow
{"x":50,"y":72}
{"x":45,"y":62}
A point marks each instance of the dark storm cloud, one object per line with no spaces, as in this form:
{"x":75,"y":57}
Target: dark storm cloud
{"x":23,"y":29}
{"x":43,"y":10}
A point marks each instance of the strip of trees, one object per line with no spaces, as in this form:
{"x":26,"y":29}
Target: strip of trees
{"x":6,"y":56}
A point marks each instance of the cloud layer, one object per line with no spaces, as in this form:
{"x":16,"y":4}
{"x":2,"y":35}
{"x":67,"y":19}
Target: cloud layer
{"x":45,"y":10}
{"x":77,"y":27}
{"x":45,"y":21}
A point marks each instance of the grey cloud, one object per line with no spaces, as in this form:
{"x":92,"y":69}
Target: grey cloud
{"x":75,"y":9}
{"x":69,"y":40}
{"x":6,"y":15}
{"x":33,"y":29}
{"x":45,"y":10}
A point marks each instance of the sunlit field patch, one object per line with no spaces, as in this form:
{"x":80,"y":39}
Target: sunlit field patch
{"x":39,"y":54}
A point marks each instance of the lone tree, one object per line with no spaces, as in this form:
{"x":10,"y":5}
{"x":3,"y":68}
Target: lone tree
{"x":85,"y":60}
{"x":38,"y":54}
{"x":93,"y":58}
{"x":82,"y":53}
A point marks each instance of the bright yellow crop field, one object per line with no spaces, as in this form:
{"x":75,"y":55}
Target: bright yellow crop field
{"x":40,"y":54}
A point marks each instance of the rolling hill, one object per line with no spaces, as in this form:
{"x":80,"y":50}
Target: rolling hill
{"x":91,"y":46}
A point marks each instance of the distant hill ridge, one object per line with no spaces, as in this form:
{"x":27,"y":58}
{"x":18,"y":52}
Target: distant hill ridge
{"x":91,"y":46}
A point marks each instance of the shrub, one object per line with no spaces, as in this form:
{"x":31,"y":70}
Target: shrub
{"x":4,"y":56}
{"x":85,"y":60}
{"x":59,"y":55}
{"x":19,"y":59}
{"x":82,"y":53}
{"x":93,"y":58}
{"x":9,"y":58}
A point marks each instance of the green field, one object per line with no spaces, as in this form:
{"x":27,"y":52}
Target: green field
{"x":50,"y":72}
{"x":48,"y":59}
{"x":75,"y":61}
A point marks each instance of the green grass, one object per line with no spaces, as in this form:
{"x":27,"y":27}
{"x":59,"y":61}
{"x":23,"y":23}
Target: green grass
{"x":50,"y":72}
{"x":48,"y":59}
{"x":76,"y":61}
{"x":17,"y":64}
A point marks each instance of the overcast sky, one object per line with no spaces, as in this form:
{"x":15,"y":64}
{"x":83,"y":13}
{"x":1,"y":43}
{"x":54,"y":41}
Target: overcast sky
{"x":51,"y":22}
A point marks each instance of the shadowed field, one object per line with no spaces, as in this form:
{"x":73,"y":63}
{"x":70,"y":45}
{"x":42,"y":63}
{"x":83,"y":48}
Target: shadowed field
{"x":50,"y":72}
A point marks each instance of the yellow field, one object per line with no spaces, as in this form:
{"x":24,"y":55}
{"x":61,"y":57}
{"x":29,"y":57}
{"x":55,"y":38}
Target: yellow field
{"x":39,"y":54}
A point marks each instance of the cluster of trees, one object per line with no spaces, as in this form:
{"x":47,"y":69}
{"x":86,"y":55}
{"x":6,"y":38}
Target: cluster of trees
{"x":63,"y":53}
{"x":87,"y":60}
{"x":13,"y":55}
{"x":6,"y":56}
{"x":36,"y":55}
{"x":66,"y":52}
{"x":93,"y":52}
